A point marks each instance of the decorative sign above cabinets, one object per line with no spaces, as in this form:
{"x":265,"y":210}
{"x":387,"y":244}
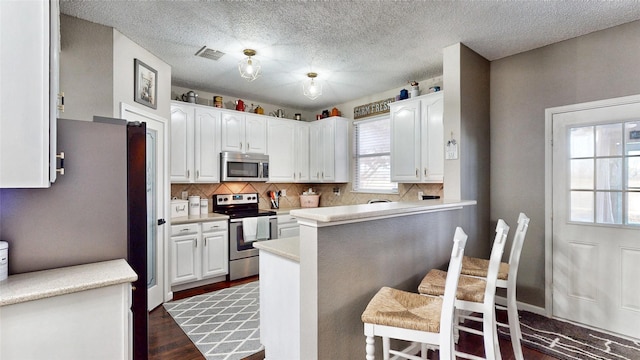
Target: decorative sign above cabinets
{"x":374,"y":108}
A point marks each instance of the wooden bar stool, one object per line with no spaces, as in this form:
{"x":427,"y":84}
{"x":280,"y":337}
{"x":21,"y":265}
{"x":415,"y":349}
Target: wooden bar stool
{"x":475,"y":295}
{"x":409,"y":316}
{"x":507,"y":277}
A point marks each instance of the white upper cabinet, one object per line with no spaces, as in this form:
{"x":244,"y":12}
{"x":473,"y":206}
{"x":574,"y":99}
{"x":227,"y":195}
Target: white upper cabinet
{"x":29,"y":35}
{"x":329,"y":150}
{"x":417,"y":140}
{"x":288,"y":145}
{"x":244,"y":133}
{"x":195,"y":148}
{"x":281,"y":150}
{"x":301,"y":150}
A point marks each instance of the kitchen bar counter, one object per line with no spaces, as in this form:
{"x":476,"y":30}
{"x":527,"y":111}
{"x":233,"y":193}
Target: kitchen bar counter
{"x":62,"y":281}
{"x":334,"y":215}
{"x":288,"y":248}
{"x":198,"y":218}
{"x":346,"y":254}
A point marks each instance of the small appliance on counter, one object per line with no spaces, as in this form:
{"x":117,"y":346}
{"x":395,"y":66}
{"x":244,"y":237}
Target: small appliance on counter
{"x":430,"y":197}
{"x":4,"y":260}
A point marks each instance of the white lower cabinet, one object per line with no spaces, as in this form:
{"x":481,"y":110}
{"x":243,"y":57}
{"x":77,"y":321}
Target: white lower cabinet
{"x":199,"y":251}
{"x":89,"y":324}
{"x":287,"y":226}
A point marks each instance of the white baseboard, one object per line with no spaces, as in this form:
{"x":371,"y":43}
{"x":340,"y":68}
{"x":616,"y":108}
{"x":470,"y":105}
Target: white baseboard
{"x":523,"y":306}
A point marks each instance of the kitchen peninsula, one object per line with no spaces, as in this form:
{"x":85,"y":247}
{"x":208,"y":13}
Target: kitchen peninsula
{"x":319,"y":285}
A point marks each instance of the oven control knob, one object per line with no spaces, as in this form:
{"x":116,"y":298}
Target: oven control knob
{"x":225,"y":199}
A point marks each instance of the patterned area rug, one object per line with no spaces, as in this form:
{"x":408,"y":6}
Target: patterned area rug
{"x":566,"y":341}
{"x":224,"y":324}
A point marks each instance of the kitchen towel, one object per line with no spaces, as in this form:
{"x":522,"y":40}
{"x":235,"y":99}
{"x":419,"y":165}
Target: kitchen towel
{"x":249,"y":229}
{"x":263,"y":228}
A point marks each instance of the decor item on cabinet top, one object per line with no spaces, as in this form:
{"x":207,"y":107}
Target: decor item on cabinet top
{"x":415,"y":89}
{"x":217,"y":101}
{"x":309,"y":199}
{"x":297,"y":116}
{"x":278,"y":113}
{"x":239,"y":105}
{"x":259,"y":110}
{"x":325,"y":114}
{"x":335,"y":112}
{"x":404,"y":94}
{"x":190,"y":97}
{"x":434,"y":89}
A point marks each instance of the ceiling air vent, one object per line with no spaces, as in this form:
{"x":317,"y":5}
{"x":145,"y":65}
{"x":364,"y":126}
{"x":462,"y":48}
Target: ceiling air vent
{"x":212,"y":54}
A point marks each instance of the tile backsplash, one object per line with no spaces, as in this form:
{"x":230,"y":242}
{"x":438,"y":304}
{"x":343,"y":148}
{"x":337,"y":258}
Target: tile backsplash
{"x":406,"y":192}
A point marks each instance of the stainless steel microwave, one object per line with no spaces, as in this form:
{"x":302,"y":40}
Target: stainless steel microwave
{"x":236,"y":166}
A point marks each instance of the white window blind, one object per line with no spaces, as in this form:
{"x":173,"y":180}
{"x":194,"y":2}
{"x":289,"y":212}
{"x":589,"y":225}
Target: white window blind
{"x":373,"y":156}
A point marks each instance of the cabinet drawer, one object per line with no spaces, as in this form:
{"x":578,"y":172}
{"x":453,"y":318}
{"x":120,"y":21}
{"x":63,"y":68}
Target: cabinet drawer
{"x":214,"y":226}
{"x":284,"y":219}
{"x":184,"y":229}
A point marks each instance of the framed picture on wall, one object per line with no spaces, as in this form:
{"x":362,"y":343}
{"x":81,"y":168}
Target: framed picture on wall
{"x":145,"y":85}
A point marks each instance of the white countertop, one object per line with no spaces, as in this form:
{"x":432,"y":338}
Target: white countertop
{"x":198,"y":218}
{"x":323,"y":216}
{"x":47,"y":283}
{"x":286,"y":247}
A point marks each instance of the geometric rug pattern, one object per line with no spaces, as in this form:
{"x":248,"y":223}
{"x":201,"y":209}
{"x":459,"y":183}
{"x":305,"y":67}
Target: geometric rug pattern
{"x":224,"y":324}
{"x":567,"y":341}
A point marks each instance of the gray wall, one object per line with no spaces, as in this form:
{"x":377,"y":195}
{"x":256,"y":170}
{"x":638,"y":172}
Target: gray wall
{"x":601,"y":65}
{"x":86,"y":68}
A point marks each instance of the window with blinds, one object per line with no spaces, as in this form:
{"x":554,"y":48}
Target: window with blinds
{"x":372,"y":156}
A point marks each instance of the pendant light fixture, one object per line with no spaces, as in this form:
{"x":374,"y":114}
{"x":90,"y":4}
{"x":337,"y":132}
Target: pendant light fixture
{"x":249,"y":68}
{"x":310,"y":87}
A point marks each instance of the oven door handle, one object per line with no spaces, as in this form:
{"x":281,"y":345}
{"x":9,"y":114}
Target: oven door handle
{"x":240,"y":220}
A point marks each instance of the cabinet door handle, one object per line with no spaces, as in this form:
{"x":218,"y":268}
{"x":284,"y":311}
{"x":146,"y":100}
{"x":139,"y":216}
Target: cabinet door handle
{"x":240,"y":145}
{"x":417,"y":171}
{"x":323,"y":174}
{"x":188,"y":173}
{"x":300,"y":175}
{"x":294,"y":176}
{"x":205,"y":241}
{"x":195,"y":243}
{"x":425,"y":171}
{"x":197,"y":174}
{"x":248,"y":146}
{"x":185,"y":229}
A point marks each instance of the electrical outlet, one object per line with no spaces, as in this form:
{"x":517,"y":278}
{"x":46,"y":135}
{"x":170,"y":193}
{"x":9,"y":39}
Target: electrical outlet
{"x":336,"y":191}
{"x":283,"y":192}
{"x":185,"y":195}
{"x":420,"y":193}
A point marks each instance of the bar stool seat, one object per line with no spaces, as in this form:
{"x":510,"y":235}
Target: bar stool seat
{"x":427,"y":321}
{"x":475,"y":295}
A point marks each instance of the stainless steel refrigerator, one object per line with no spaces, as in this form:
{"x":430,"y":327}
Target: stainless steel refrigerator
{"x":96,"y":211}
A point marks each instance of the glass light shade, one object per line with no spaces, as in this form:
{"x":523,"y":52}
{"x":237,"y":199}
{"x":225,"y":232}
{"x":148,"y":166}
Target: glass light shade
{"x":311,"y":88}
{"x":249,"y":68}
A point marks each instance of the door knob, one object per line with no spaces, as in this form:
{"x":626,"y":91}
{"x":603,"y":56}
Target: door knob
{"x":161,"y":222}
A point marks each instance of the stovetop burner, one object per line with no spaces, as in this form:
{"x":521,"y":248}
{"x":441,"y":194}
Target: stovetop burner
{"x":238,"y":206}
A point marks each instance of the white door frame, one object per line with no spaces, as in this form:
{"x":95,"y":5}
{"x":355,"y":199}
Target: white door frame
{"x":124,"y":108}
{"x":548,"y":155}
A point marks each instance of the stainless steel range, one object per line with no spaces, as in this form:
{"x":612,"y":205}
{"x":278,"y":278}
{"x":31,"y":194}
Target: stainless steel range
{"x":247,"y":224}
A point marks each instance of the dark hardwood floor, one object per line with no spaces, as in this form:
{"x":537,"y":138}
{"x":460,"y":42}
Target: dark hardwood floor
{"x":168,"y":342}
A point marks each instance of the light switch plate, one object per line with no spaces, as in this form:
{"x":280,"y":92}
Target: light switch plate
{"x":451,"y":150}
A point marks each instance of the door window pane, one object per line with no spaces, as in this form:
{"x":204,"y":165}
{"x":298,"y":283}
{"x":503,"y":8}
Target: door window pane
{"x":633,"y":173}
{"x":633,"y":208}
{"x":582,"y":206}
{"x":581,"y":140}
{"x":609,"y":140}
{"x":609,"y":207}
{"x":609,"y":174}
{"x":582,"y":174}
{"x":632,"y":137}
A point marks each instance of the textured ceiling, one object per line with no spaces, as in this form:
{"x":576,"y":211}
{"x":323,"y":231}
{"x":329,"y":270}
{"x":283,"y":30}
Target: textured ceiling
{"x":358,"y":48}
